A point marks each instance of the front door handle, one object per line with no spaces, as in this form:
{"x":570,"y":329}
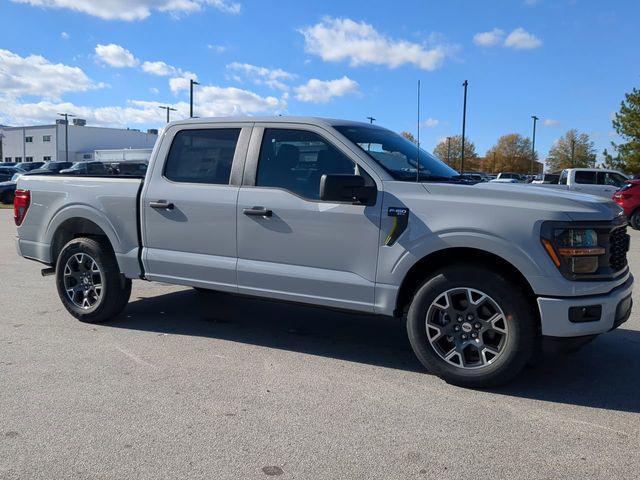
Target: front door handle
{"x":257,"y":212}
{"x":162,"y":205}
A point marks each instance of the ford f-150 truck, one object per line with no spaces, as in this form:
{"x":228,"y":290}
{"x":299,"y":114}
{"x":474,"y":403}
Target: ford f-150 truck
{"x":343,"y":215}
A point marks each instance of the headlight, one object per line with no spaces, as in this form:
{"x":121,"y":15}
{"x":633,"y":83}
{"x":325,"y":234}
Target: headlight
{"x":575,"y":248}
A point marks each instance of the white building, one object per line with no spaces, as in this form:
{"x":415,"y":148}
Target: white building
{"x":123,"y":155}
{"x":43,"y":143}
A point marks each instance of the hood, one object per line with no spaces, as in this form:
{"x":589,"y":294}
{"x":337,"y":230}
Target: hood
{"x":576,"y":206}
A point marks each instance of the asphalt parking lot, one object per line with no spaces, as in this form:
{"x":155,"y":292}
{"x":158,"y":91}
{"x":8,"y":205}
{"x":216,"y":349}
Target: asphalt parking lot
{"x":244,"y":389}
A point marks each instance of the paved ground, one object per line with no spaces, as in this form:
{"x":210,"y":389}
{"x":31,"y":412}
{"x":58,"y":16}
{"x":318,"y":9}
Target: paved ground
{"x":175,"y":389}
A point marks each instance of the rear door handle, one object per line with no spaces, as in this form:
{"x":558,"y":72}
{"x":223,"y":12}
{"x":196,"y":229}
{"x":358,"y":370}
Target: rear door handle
{"x":162,"y":205}
{"x":257,"y":212}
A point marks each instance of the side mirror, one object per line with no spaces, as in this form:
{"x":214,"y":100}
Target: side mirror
{"x":347,"y":188}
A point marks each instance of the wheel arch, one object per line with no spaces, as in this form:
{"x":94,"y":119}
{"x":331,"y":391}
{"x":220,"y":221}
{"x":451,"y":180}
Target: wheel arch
{"x":432,"y":262}
{"x":76,"y":227}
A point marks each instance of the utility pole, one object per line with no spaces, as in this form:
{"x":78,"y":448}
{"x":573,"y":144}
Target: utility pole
{"x":464,"y":124}
{"x":533,"y":143}
{"x":168,"y":109}
{"x":371,"y":119}
{"x":449,"y":151}
{"x":66,"y":134}
{"x":192,"y":82}
{"x":573,"y":151}
{"x":494,"y":162}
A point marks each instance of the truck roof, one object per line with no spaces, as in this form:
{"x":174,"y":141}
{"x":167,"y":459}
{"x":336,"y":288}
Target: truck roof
{"x":319,"y":121}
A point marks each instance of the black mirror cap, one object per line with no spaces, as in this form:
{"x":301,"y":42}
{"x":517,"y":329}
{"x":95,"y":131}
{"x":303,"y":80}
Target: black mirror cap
{"x":347,"y":188}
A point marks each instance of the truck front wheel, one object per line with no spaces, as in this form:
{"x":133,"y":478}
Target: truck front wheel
{"x":471,"y":326}
{"x":89,"y":281}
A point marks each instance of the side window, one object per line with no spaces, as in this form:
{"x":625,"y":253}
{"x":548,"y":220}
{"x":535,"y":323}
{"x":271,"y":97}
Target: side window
{"x":563,"y":178}
{"x":586,"y":178}
{"x":614,"y":179}
{"x":296,"y":160}
{"x":202,"y":156}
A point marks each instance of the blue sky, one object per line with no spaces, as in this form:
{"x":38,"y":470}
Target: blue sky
{"x":567,"y":61}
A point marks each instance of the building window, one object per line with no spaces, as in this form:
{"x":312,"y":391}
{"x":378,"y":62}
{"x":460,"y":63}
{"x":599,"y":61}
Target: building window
{"x":7,"y":159}
{"x":46,"y":138}
{"x":28,"y":159}
{"x":86,"y":156}
{"x":46,"y":158}
{"x":28,"y":139}
{"x":18,"y":159}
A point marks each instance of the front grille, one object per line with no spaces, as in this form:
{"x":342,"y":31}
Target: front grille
{"x":618,"y":247}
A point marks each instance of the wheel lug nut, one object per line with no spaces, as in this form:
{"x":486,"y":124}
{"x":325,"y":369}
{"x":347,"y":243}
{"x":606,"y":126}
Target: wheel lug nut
{"x":469,"y":317}
{"x":457,"y":328}
{"x":474,"y":335}
{"x":464,"y":336}
{"x":460,"y":318}
{"x":477,"y":325}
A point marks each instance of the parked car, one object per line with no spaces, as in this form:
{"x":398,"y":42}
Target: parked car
{"x":50,"y":168}
{"x":7,"y":191}
{"x":595,"y":181}
{"x":136,"y":169}
{"x":520,"y":178}
{"x":7,"y":172}
{"x":88,"y":168}
{"x":628,"y":197}
{"x":342,"y":215}
{"x":28,"y":166}
{"x":505,"y":180}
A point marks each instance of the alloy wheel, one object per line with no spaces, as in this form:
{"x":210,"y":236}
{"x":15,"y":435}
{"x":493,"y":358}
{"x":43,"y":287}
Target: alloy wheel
{"x":83,"y":281}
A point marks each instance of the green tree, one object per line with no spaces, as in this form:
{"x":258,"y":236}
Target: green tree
{"x":626,"y":123}
{"x":613,"y":162}
{"x":572,"y":150}
{"x":453,"y":159}
{"x":512,"y":153}
{"x":409,"y":136}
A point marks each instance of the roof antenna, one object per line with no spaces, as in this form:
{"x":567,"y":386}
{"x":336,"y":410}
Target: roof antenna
{"x":418,"y":162}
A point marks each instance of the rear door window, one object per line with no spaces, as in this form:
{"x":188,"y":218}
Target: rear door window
{"x":202,"y":156}
{"x":586,"y":178}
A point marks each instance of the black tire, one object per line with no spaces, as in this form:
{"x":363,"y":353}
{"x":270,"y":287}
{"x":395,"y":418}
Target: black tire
{"x":115,"y":289}
{"x":7,"y":198}
{"x":634,"y":219}
{"x":517,"y":347}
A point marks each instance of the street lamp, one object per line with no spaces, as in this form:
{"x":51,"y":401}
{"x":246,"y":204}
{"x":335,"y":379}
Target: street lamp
{"x":533,"y":143}
{"x":192,"y":82}
{"x":449,"y":151}
{"x":168,"y":109}
{"x":66,"y":134}
{"x":464,"y":123}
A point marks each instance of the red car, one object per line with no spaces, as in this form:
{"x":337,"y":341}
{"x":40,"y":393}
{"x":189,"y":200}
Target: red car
{"x":628,"y":197}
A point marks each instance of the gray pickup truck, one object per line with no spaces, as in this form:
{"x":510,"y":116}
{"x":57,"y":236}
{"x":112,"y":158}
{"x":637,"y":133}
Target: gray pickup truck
{"x":343,"y":215}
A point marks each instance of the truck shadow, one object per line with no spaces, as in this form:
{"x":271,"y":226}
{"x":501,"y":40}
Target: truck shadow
{"x":604,"y":374}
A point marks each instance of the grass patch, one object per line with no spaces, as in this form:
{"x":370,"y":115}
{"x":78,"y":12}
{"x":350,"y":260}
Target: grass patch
{"x":2,"y":205}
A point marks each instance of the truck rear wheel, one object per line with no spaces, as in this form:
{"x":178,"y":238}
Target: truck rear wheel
{"x":89,"y":281}
{"x":471,"y":327}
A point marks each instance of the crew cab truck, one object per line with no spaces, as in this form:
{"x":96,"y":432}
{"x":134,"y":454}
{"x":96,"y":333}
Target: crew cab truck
{"x":595,"y":181}
{"x":342,"y":215}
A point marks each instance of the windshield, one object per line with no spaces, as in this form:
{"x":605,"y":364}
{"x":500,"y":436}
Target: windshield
{"x":396,"y":154}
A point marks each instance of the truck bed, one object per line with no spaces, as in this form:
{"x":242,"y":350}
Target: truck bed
{"x":109,"y":203}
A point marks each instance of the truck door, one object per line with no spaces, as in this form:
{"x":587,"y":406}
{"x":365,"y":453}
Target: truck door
{"x":292,"y":245}
{"x":189,"y":203}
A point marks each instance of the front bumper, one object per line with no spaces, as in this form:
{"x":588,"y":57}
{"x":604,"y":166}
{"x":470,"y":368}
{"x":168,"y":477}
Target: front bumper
{"x":616,"y":308}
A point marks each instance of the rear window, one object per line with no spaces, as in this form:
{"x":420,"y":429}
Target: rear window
{"x":202,"y":156}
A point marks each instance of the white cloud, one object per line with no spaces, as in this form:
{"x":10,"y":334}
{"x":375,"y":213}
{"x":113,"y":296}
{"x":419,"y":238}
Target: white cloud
{"x":131,"y":10}
{"x":182,"y":82}
{"x":431,"y":122}
{"x":489,"y":39}
{"x":64,"y":35}
{"x":520,"y":39}
{"x":273,"y":78}
{"x":35,"y":75}
{"x":159,"y":68}
{"x":154,"y":90}
{"x":321,"y":91}
{"x":339,"y":39}
{"x":214,"y":101}
{"x":550,"y":122}
{"x":217,"y":48}
{"x":115,"y":56}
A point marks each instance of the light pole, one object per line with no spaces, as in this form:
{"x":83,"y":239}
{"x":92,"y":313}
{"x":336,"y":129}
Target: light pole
{"x":573,"y":152}
{"x":533,"y":143}
{"x":449,"y":151}
{"x":66,"y":134}
{"x":192,"y":82}
{"x":168,"y":109}
{"x":371,"y":119}
{"x":464,"y":123}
